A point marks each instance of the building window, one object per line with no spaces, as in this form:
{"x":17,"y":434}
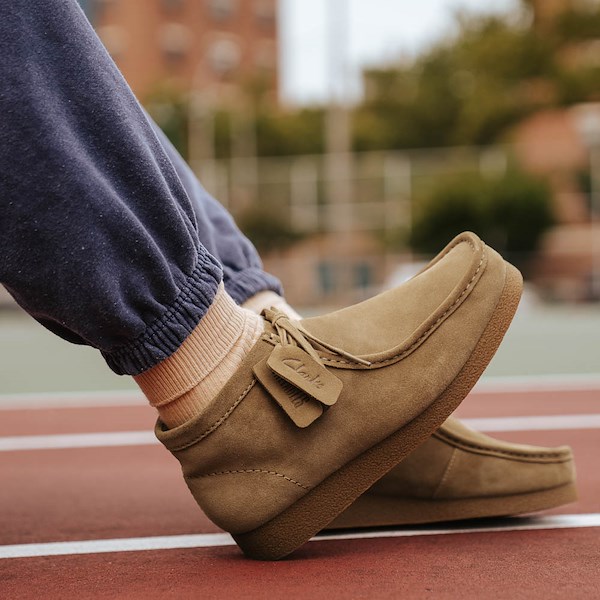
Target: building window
{"x":222,"y":10}
{"x":94,"y":8}
{"x":172,"y":5}
{"x":174,"y":40}
{"x":224,"y":56}
{"x":113,"y":38}
{"x":87,"y":6}
{"x":98,"y":6}
{"x":363,"y":276}
{"x":265,"y":57}
{"x":326,"y":277}
{"x":264,"y":12}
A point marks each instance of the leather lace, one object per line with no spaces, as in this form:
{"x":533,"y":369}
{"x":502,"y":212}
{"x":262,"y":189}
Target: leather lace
{"x":294,"y":334}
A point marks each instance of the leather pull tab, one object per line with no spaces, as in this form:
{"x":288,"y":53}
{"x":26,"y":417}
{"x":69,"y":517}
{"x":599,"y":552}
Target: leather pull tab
{"x":300,"y":407}
{"x":304,"y":372}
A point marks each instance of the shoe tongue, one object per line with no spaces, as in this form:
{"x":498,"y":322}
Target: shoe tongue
{"x":298,"y":383}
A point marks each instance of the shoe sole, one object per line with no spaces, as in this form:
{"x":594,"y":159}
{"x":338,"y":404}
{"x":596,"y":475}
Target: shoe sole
{"x":387,"y":511}
{"x":320,"y":506}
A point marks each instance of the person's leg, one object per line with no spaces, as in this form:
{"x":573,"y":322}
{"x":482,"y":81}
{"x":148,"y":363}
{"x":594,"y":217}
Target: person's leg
{"x":98,"y":238}
{"x":243,"y":274}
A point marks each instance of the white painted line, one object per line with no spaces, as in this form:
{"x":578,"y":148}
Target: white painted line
{"x":50,"y":400}
{"x":167,"y":542}
{"x":110,"y":398}
{"x":211,"y":540}
{"x":144,"y":438}
{"x":520,"y":384}
{"x":77,"y":440}
{"x":537,"y":423}
{"x":576,"y":521}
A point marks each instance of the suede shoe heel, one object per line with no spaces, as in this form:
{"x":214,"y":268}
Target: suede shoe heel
{"x":322,"y":408}
{"x":461,"y":474}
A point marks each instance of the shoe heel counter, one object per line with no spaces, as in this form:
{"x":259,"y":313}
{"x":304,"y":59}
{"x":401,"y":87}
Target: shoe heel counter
{"x":240,"y":501}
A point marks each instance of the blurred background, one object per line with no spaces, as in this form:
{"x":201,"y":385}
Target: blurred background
{"x":352,"y":140}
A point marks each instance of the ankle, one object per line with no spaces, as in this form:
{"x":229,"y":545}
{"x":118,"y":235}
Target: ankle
{"x":268,"y":299}
{"x":183,"y":385}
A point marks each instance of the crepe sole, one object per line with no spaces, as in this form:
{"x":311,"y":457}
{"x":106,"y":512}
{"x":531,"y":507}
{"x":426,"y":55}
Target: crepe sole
{"x":371,"y":510}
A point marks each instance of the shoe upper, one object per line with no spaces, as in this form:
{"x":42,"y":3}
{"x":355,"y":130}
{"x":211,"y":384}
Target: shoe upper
{"x":312,"y":395}
{"x":458,"y":462}
{"x":400,"y":319}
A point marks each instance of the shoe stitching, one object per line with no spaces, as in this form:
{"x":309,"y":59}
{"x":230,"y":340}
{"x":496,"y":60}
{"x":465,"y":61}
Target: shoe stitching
{"x":218,"y":423}
{"x":469,"y":445}
{"x":426,"y":333}
{"x":264,"y":472}
{"x":447,"y":471}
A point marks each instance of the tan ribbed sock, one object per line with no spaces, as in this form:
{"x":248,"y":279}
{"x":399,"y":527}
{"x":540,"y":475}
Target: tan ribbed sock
{"x":183,"y":385}
{"x":267,"y":299}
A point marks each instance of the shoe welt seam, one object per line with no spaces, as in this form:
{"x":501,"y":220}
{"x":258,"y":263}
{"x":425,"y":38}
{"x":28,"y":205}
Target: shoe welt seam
{"x":217,"y":423}
{"x":262,"y":471}
{"x":471,"y":446}
{"x":447,"y":471}
{"x":427,"y":332}
{"x":461,"y":239}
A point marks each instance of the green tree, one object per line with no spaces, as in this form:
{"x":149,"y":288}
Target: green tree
{"x":281,"y":133}
{"x":267,"y":229}
{"x":510,"y":212}
{"x":472,"y":87}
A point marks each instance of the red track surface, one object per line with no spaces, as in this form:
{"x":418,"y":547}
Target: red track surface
{"x":120,"y":492}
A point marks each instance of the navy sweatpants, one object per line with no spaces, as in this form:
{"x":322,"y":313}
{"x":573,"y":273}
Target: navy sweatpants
{"x":106,"y":236}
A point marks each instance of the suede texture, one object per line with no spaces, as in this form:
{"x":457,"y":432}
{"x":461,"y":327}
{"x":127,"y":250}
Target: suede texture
{"x":458,"y":462}
{"x":244,"y":459}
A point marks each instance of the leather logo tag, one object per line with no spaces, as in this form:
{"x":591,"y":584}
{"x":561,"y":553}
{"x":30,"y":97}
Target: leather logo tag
{"x":303,"y":372}
{"x":300,"y":407}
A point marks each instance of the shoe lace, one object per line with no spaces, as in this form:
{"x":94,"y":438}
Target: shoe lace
{"x":292,"y":333}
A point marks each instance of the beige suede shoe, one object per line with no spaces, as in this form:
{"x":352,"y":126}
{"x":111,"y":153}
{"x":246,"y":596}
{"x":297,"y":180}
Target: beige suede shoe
{"x":459,"y":474}
{"x":322,"y":408}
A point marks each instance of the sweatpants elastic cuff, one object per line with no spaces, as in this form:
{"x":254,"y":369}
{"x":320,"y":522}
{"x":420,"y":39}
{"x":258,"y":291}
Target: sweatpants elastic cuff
{"x":244,"y":284}
{"x":166,"y":334}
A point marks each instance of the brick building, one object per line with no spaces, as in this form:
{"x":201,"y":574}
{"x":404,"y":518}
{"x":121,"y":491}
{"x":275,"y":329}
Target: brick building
{"x":190,"y":44}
